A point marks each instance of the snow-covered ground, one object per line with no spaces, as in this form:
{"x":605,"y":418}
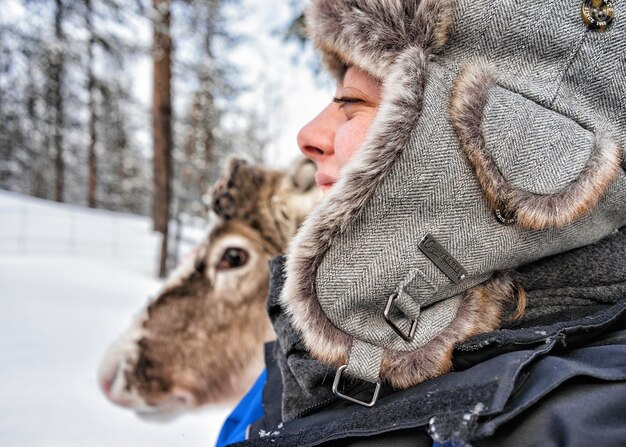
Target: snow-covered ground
{"x":70,"y":281}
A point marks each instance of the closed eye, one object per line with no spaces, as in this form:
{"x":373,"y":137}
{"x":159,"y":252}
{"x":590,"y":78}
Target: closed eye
{"x":347,"y":100}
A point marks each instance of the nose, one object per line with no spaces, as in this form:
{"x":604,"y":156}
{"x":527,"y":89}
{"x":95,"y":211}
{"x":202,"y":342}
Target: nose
{"x":316,"y":139}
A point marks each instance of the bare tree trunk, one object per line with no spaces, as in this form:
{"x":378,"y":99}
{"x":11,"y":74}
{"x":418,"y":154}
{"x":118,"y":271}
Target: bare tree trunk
{"x":91,"y":85}
{"x":162,"y":121}
{"x":208,"y":123}
{"x":38,"y":187}
{"x":120,"y":169}
{"x":194,"y":123}
{"x":56,"y":75}
{"x":209,"y":140}
{"x":190,"y":171}
{"x":163,"y":267}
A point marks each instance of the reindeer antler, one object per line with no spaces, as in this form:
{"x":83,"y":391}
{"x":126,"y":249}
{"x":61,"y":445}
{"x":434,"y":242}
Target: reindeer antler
{"x":235,"y":192}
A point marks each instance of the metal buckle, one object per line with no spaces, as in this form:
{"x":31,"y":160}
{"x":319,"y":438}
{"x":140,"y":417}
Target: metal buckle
{"x":337,"y":393}
{"x":386,"y":313}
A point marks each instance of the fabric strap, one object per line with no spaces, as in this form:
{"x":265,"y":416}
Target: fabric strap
{"x":365,"y":360}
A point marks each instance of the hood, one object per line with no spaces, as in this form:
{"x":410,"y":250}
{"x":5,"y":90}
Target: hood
{"x":575,"y":296}
{"x":495,"y":145}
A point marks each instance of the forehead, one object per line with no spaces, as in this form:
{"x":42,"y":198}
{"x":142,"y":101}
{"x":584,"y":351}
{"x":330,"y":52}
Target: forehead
{"x":358,"y":79}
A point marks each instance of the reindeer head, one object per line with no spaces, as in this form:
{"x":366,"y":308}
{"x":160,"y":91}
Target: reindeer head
{"x":200,"y":340}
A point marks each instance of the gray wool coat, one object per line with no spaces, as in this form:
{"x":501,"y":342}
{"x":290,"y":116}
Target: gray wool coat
{"x":555,"y":378}
{"x":495,"y":164}
{"x":498,"y":142}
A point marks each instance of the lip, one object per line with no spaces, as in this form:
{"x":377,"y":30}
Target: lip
{"x":324,"y":181}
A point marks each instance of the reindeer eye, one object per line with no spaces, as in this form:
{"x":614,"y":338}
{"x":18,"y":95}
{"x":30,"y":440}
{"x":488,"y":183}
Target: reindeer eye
{"x":233,"y":258}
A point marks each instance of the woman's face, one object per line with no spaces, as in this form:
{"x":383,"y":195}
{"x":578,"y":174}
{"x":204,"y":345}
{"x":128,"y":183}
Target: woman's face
{"x":333,"y":136}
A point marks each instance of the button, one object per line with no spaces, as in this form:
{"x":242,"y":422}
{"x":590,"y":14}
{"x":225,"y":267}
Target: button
{"x":598,"y":14}
{"x":504,"y":215}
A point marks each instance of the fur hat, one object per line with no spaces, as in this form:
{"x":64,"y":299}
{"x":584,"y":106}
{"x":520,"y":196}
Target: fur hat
{"x":497,"y":143}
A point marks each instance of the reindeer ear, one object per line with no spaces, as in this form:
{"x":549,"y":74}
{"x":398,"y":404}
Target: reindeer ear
{"x":301,"y":173}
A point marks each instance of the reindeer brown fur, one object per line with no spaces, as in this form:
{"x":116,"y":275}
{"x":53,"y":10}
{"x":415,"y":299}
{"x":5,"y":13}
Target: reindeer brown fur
{"x":200,"y":341}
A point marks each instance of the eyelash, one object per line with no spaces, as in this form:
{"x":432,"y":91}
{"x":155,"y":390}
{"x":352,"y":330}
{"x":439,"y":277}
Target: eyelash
{"x":345,"y":100}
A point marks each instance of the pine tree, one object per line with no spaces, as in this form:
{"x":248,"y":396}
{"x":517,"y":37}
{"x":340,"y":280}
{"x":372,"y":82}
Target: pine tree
{"x":162,"y":123}
{"x":91,"y":89}
{"x":70,"y":128}
{"x":55,"y":98}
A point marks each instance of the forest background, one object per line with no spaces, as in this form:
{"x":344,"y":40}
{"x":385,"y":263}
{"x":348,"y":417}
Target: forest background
{"x":78,"y":132}
{"x":134,"y":105}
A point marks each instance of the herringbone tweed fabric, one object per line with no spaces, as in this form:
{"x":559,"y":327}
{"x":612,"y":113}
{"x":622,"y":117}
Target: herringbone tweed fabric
{"x":559,"y":99}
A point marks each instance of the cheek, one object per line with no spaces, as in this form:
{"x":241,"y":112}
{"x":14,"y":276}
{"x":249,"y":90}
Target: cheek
{"x":349,"y":138}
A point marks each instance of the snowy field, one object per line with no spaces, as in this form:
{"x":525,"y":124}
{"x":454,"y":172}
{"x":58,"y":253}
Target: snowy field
{"x":70,"y":281}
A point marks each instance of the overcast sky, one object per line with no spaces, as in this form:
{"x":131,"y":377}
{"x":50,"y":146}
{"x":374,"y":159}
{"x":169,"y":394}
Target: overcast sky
{"x":267,"y":57}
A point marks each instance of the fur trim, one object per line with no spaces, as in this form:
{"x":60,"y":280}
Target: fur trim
{"x":532,"y":211}
{"x":396,"y":118}
{"x":371,"y":34}
{"x":482,"y":306}
{"x":481,"y":311}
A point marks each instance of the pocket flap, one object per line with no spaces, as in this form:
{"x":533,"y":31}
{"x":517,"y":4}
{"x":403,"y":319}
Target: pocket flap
{"x":537,"y":168}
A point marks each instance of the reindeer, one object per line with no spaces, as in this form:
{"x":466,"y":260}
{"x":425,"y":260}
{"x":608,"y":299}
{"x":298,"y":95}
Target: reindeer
{"x":200,"y":341}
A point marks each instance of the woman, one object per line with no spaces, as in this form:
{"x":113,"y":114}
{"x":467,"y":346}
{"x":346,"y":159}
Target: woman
{"x":473,"y":167}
